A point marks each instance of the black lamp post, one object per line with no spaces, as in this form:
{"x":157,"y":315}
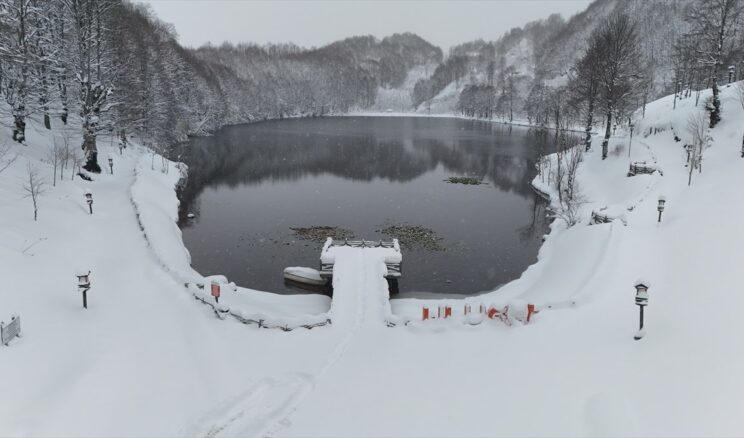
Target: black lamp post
{"x":111,"y":165}
{"x":89,"y":200}
{"x":660,"y":208}
{"x":731,"y":71}
{"x":641,"y":300}
{"x":630,"y":143}
{"x":84,"y":285}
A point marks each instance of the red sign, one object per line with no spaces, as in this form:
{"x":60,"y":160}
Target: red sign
{"x":215,"y":290}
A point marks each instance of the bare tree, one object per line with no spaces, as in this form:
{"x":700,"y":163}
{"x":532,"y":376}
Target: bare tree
{"x":19,"y":59}
{"x":570,"y":200}
{"x":714,"y":24}
{"x":34,"y":186}
{"x":584,"y":84}
{"x":66,"y":153}
{"x":76,"y":162}
{"x":698,"y":129}
{"x":94,"y":67}
{"x":573,"y":158}
{"x":620,"y":68}
{"x":56,"y":156}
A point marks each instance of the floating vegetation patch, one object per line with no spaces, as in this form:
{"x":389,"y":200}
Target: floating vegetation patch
{"x":414,"y":236}
{"x":321,"y":233}
{"x":467,"y":180}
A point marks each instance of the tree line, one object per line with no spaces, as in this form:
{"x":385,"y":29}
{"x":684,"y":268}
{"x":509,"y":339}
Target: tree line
{"x":617,"y":71}
{"x":111,"y":67}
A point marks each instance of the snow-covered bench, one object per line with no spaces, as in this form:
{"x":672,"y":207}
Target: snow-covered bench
{"x":641,"y":168}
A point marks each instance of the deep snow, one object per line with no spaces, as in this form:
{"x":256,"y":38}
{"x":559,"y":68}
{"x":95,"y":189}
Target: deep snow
{"x":146,"y":359}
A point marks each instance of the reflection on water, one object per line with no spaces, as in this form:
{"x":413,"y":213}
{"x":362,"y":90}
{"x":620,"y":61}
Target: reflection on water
{"x":249,"y":184}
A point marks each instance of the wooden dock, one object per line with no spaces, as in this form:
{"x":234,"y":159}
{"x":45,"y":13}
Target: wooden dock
{"x":393,"y":264}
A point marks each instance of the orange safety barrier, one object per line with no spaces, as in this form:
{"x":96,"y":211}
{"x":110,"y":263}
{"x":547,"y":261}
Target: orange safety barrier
{"x":492,"y":313}
{"x":425,"y":315}
{"x":447,"y":311}
{"x":466,"y":310}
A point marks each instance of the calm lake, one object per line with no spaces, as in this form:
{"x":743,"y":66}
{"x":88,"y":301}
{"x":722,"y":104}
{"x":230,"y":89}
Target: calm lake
{"x":251,"y":185}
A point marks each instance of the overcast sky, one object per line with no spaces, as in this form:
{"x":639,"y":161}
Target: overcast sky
{"x":315,"y":23}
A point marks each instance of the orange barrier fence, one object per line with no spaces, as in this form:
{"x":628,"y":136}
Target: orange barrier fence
{"x":491,"y":312}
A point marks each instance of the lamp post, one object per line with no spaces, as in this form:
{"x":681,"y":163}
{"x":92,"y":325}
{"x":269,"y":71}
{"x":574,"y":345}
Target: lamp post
{"x":630,"y":143}
{"x":641,"y":300}
{"x":731,"y":71}
{"x":111,"y":165}
{"x":89,"y":200}
{"x":84,"y":285}
{"x":660,"y":208}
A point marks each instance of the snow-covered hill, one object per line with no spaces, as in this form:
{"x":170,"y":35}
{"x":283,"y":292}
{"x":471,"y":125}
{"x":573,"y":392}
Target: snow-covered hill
{"x":146,"y":359}
{"x":544,"y":51}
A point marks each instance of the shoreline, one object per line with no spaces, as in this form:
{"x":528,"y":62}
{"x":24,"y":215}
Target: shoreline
{"x":181,"y":267}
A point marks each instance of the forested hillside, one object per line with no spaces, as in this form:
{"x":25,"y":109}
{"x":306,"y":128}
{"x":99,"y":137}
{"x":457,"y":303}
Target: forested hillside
{"x":103,"y":66}
{"x":109,"y":66}
{"x":516,"y":75}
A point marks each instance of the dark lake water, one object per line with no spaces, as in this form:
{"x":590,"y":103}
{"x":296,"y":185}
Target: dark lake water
{"x":250,"y":184}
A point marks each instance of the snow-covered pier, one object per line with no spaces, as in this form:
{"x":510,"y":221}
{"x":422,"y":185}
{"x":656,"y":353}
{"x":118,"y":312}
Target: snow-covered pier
{"x":360,"y":289}
{"x":393,"y":260}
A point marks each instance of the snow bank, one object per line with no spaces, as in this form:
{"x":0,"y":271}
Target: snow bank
{"x":153,"y":195}
{"x":154,"y":200}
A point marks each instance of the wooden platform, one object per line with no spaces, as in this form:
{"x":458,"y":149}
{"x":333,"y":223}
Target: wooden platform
{"x":394,"y":269}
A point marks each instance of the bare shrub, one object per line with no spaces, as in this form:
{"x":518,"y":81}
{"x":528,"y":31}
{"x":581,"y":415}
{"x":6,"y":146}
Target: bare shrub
{"x":34,"y":186}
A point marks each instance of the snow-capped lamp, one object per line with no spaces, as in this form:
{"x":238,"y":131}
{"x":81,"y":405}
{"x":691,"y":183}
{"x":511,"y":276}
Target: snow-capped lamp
{"x":111,"y":165}
{"x":641,"y":300}
{"x":660,"y":208}
{"x":731,"y":71}
{"x":83,"y":277}
{"x":89,"y":200}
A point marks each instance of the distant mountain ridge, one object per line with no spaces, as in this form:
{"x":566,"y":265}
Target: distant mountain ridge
{"x":284,"y":80}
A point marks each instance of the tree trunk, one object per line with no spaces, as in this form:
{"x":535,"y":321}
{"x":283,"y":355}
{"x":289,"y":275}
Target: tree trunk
{"x":91,"y":154}
{"x":589,"y":122}
{"x":606,"y":140}
{"x":19,"y":129}
{"x":715,"y":112}
{"x":123,"y":138}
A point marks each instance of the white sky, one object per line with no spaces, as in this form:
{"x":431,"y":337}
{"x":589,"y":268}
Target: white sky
{"x":314,"y":23}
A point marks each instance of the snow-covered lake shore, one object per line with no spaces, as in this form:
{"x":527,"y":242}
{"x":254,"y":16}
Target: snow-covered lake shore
{"x":147,"y":359}
{"x":516,"y":122}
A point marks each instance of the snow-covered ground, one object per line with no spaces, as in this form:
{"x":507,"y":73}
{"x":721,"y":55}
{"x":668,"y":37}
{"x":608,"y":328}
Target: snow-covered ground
{"x":146,"y":359}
